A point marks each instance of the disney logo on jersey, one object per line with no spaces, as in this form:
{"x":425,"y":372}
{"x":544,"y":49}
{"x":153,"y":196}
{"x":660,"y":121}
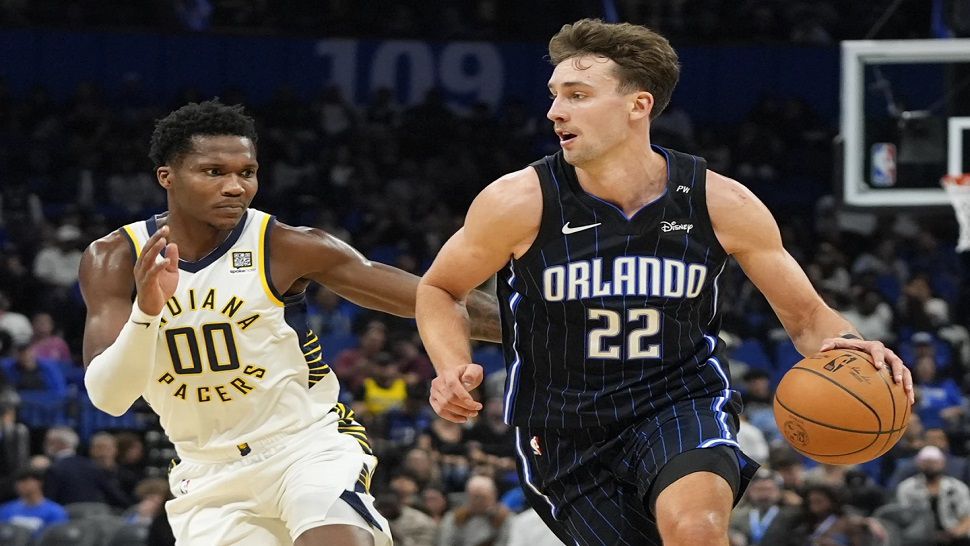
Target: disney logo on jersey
{"x":667,"y":227}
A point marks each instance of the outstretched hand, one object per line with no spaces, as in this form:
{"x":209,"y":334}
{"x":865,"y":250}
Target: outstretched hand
{"x":156,"y":277}
{"x":450,"y":396}
{"x":882,"y":357}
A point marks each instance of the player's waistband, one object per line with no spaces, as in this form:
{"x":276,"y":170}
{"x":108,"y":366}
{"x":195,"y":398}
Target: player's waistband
{"x":254,"y":448}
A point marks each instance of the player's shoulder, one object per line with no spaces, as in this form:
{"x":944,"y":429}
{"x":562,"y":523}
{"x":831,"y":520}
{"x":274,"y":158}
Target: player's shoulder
{"x":726,"y":192}
{"x":513,"y":193}
{"x":739,"y":218}
{"x":109,"y":248}
{"x":106,"y":264}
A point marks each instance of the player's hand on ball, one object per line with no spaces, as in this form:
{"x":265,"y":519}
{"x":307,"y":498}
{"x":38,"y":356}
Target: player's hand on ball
{"x":449,"y":393}
{"x":156,"y":277}
{"x":882,"y":356}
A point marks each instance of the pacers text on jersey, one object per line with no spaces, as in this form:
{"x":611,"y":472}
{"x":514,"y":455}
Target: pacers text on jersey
{"x":645,"y":276}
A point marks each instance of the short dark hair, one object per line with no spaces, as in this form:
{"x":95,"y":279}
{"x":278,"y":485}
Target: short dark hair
{"x":645,"y":59}
{"x":29,"y":474}
{"x":173,"y":134}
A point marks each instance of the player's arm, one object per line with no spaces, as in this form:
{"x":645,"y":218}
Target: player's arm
{"x":501,"y":223}
{"x":746,"y":230}
{"x":316,"y":255}
{"x":120,"y":338}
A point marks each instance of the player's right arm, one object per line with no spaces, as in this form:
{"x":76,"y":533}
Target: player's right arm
{"x":501,"y":223}
{"x":120,"y":338}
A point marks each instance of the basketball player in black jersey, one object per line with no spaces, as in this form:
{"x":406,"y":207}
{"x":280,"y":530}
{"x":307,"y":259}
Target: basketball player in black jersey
{"x":609,"y":255}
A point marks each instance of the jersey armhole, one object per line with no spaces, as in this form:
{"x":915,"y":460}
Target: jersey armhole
{"x":133,"y":243}
{"x":545,"y":224}
{"x":702,"y":210}
{"x":264,"y":258}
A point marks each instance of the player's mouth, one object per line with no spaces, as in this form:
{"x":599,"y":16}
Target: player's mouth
{"x":565,"y":137}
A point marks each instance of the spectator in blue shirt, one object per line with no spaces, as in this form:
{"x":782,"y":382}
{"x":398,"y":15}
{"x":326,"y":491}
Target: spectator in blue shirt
{"x":938,"y":401}
{"x":28,"y":373}
{"x":31,"y":509}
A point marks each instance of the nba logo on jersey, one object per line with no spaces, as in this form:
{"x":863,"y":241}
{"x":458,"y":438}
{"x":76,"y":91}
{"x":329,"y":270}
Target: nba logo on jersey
{"x":242,"y":259}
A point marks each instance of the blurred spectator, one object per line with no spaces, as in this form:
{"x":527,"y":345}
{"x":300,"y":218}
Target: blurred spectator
{"x":31,"y":510}
{"x":824,"y":522}
{"x":758,"y":400}
{"x":409,"y":526}
{"x":47,"y":343}
{"x":919,"y":308}
{"x":789,"y":466}
{"x":26,"y":372}
{"x":752,"y":440}
{"x":480,"y":520}
{"x":57,"y":264}
{"x":762,"y":519}
{"x":15,"y":324}
{"x":104,"y":452}
{"x":406,"y":488}
{"x":938,"y":400}
{"x":528,"y":529}
{"x":827,"y":272}
{"x":955,"y":466}
{"x":406,"y":424}
{"x":14,"y":442}
{"x":415,"y":366}
{"x":871,"y":315}
{"x":131,"y":459}
{"x":419,"y":465}
{"x":385,"y":388}
{"x":76,"y":478}
{"x":435,"y":503}
{"x":353,"y":365}
{"x":328,"y":314}
{"x":948,"y":498}
{"x":151,"y":495}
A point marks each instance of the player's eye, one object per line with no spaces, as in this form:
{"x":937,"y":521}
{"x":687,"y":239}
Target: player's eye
{"x":248,"y":173}
{"x":578,"y":96}
{"x":212,"y":172}
{"x":552,"y":97}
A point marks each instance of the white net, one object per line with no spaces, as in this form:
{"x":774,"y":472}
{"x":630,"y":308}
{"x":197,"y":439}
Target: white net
{"x":958,"y":191}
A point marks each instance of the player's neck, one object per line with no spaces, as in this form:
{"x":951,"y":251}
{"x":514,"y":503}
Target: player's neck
{"x":195,"y":239}
{"x":628,"y":178}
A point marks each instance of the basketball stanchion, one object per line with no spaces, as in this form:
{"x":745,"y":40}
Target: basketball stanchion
{"x":957,"y":187}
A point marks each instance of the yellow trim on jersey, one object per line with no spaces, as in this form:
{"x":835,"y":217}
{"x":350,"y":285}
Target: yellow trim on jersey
{"x":134,"y":240}
{"x":262,"y":265}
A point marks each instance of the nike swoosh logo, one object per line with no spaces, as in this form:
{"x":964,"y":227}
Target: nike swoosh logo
{"x":145,"y":324}
{"x":566,"y":230}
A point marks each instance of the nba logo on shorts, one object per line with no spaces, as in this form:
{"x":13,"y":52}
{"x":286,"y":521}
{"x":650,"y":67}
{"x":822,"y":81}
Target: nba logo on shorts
{"x":534,"y":444}
{"x":882,"y":174}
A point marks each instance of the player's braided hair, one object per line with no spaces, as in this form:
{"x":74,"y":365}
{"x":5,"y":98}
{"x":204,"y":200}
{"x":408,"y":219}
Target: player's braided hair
{"x":173,"y":134}
{"x":645,"y":59}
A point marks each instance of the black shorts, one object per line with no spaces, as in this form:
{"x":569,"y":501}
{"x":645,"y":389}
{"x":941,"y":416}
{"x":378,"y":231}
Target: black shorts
{"x":597,"y":486}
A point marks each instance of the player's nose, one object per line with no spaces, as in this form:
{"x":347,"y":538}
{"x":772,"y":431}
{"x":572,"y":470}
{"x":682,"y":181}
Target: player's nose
{"x":233,"y":185}
{"x":556,"y":112}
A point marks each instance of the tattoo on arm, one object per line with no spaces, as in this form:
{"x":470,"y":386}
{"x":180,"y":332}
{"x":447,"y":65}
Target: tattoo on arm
{"x":483,"y":316}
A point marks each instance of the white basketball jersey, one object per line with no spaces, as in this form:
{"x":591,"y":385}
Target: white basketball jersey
{"x":234,"y":358}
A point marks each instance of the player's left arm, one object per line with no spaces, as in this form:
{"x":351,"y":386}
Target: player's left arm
{"x":747,"y":231}
{"x":309,"y":253}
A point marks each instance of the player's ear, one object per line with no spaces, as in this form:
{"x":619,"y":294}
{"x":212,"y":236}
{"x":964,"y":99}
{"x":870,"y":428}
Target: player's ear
{"x":642,"y":105}
{"x":164,"y":176}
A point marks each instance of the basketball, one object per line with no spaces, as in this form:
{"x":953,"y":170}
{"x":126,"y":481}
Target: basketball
{"x":835,"y":407}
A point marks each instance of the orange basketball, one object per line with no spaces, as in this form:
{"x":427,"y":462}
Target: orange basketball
{"x":835,"y":407}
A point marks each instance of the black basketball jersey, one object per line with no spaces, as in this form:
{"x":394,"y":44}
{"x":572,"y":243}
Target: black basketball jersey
{"x":605,"y":317}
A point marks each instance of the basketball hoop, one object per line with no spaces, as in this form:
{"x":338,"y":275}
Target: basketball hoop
{"x":957,"y":187}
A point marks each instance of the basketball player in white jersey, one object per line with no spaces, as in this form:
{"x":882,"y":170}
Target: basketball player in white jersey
{"x":216,"y":341}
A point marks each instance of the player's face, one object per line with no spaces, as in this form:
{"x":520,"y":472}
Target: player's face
{"x":215,"y":182}
{"x":590,"y":116}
